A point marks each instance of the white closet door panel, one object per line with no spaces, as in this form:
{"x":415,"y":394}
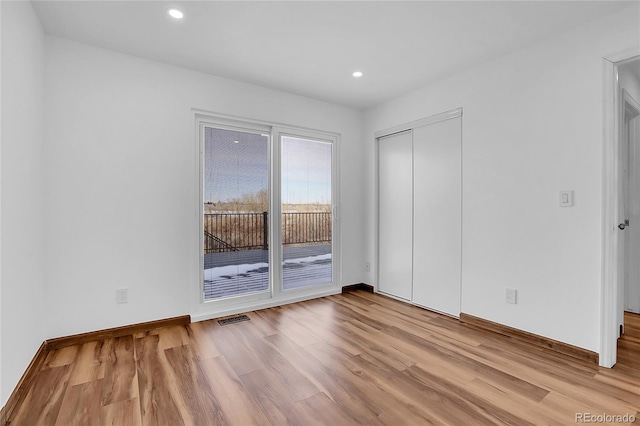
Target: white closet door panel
{"x":395,"y":215}
{"x":438,"y":216}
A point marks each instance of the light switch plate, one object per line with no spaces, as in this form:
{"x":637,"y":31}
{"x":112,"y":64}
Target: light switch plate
{"x":122,"y":295}
{"x":566,"y":198}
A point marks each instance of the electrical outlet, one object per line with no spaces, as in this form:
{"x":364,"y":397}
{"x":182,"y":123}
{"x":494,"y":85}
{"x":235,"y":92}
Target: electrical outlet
{"x":122,"y":295}
{"x":511,"y":295}
{"x":367,"y":266}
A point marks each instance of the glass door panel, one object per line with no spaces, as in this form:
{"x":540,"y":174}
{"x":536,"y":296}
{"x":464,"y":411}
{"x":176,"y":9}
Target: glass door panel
{"x":236,"y":209}
{"x":307,"y":220}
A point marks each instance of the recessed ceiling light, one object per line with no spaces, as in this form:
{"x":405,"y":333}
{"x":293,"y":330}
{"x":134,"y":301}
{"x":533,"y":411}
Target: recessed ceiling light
{"x":175,"y":13}
{"x":357,"y":74}
{"x":236,"y":141}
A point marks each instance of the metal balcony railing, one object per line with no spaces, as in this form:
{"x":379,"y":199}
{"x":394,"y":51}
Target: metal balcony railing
{"x":224,"y":232}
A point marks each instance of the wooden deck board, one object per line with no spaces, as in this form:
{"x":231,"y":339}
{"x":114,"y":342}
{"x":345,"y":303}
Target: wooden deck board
{"x":295,"y":275}
{"x":212,"y":260}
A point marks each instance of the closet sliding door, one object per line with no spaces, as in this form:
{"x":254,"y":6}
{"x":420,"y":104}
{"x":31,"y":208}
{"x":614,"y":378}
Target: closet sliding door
{"x":395,"y":185}
{"x":437,"y":210}
{"x":420,"y":212}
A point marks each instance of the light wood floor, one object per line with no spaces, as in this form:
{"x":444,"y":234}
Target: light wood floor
{"x":357,"y":358}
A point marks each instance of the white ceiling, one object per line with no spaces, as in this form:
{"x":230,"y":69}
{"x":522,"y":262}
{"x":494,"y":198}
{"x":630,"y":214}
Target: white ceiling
{"x":311,"y":48}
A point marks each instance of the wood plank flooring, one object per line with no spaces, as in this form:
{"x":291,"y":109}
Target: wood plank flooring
{"x":356,"y":358}
{"x":629,"y":344}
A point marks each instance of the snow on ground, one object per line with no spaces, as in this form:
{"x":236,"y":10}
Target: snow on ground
{"x":309,"y":259}
{"x":231,"y":270}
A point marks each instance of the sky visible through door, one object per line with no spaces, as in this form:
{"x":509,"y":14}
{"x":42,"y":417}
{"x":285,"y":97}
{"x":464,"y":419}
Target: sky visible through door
{"x":236,"y":235}
{"x":306,"y":212}
{"x":235,"y":213}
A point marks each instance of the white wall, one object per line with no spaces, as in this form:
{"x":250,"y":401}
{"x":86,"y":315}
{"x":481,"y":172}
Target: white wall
{"x":22,"y":205}
{"x":120,"y":172}
{"x":532,"y":126}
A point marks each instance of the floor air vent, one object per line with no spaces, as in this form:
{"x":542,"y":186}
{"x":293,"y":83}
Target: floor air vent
{"x":233,"y":320}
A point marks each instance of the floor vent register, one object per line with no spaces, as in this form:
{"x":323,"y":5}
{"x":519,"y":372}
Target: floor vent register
{"x":234,"y":320}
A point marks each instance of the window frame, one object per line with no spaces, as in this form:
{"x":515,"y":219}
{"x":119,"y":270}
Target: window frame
{"x":240,"y":127}
{"x":206,"y":309}
{"x":278,"y":134}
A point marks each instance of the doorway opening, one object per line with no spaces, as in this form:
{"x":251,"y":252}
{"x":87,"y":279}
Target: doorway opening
{"x":621,"y":196}
{"x":630,"y":185}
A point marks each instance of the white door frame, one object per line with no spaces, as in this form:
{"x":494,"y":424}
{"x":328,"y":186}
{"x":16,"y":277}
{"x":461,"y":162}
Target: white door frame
{"x":610,"y":290}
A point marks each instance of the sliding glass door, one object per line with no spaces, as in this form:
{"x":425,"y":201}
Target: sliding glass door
{"x":251,"y":186}
{"x":307,"y":217}
{"x":235,"y":213}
